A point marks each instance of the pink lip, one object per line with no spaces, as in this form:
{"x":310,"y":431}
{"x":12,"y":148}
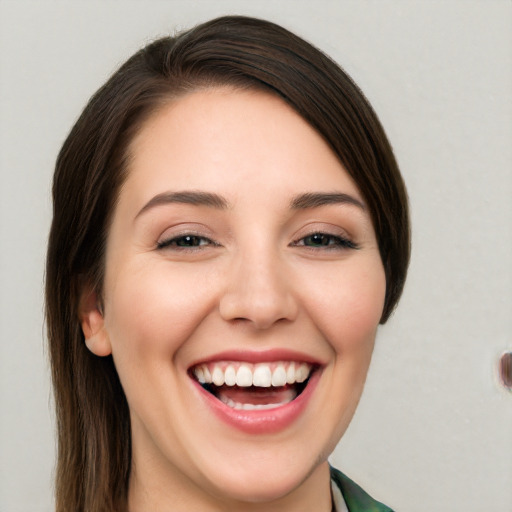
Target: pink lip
{"x":264,"y":356}
{"x":260,"y":421}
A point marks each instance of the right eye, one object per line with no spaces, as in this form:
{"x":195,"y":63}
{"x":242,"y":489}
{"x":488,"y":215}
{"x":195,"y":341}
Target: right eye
{"x":187,"y":241}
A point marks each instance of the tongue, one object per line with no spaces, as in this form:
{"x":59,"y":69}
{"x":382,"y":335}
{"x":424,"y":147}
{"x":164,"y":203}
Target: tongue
{"x":256,"y":395}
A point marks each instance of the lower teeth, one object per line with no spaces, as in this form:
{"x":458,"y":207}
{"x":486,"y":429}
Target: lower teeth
{"x":251,"y":407}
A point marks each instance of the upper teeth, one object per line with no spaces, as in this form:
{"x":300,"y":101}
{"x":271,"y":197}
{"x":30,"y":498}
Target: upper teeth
{"x":246,"y":374}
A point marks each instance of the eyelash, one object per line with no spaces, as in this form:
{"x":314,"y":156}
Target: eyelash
{"x":192,"y":239}
{"x":195,"y":242}
{"x":334,"y":242}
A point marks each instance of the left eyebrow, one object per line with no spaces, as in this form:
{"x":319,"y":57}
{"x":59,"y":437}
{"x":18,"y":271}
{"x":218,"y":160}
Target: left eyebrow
{"x":317,"y":199}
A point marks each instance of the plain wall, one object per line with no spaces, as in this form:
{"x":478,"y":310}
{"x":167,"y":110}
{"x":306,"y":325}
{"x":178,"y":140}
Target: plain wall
{"x":434,"y":427}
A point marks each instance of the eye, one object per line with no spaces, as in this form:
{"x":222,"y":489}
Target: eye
{"x":325,"y":241}
{"x":187,"y":241}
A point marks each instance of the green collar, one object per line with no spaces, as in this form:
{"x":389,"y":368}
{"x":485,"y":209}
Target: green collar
{"x":356,"y":499}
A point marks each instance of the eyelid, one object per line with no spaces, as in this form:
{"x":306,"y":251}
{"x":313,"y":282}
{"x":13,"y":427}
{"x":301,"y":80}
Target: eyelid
{"x":341,"y":242}
{"x":344,"y":240}
{"x":324,"y":227}
{"x":165,"y":243}
{"x":170,"y":235}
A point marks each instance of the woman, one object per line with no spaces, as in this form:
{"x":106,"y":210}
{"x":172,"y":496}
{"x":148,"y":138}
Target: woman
{"x":230,"y":227}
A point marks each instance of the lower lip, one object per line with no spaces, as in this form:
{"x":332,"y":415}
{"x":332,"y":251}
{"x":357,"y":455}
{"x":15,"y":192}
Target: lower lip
{"x":266,"y":421}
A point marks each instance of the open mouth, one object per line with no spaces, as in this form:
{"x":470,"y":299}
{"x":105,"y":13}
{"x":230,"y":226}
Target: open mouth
{"x":246,"y":386}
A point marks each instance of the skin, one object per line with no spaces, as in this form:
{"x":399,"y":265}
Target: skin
{"x":255,"y":282}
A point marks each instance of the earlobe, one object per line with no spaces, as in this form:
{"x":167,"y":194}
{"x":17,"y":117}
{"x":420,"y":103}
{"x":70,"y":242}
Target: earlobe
{"x":93,"y":324}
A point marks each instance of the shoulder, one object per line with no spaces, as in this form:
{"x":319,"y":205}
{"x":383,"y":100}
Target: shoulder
{"x":355,"y":497}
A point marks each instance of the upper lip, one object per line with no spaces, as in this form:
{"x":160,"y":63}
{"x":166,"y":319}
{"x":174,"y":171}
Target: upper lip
{"x":259,"y":356}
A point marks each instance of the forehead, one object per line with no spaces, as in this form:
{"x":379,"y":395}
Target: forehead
{"x":227,"y":140}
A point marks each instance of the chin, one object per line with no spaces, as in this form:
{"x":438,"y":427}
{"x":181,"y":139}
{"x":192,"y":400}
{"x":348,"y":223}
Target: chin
{"x":262,"y":478}
{"x":258,"y":487}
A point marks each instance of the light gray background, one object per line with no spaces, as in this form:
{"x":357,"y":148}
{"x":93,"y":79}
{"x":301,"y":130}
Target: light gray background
{"x":434,"y":428}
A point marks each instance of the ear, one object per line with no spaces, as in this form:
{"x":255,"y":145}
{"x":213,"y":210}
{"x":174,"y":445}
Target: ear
{"x":93,"y":323}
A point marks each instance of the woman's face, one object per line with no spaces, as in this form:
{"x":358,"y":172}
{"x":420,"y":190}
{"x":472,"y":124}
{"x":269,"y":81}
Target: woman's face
{"x":240,"y":253}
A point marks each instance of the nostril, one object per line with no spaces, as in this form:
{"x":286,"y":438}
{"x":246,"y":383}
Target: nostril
{"x":261,"y":312}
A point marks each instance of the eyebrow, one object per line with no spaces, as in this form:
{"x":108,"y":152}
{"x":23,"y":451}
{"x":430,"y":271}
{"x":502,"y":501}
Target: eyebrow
{"x":192,"y":197}
{"x":317,"y":199}
{"x":199,"y":198}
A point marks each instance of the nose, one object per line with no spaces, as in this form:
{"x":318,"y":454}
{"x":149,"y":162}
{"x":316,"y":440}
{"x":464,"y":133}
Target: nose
{"x":258,"y":291}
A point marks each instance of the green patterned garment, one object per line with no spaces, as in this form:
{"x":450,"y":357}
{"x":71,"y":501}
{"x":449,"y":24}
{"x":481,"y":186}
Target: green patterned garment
{"x":356,"y":499}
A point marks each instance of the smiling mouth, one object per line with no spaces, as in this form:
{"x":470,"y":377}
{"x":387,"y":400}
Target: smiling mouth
{"x":246,"y":386}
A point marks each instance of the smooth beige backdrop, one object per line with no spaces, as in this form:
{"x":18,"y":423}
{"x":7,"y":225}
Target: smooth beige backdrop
{"x":434,"y":428}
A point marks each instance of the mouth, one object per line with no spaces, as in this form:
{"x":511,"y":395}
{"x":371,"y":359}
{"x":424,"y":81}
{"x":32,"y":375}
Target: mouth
{"x":244,"y":386}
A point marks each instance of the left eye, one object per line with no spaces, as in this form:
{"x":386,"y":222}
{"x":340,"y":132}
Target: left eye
{"x":185,"y":242}
{"x":324,"y":240}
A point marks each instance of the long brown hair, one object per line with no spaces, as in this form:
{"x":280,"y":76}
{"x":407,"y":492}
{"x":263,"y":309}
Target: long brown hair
{"x":94,"y":455}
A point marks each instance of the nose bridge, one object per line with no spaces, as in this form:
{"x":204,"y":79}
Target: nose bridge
{"x":258,"y":288}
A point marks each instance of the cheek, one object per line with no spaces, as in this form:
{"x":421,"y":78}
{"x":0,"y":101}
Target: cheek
{"x":154,"y":309}
{"x":348,"y":306}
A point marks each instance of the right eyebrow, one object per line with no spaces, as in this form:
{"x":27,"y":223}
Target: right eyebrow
{"x":194,"y":197}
